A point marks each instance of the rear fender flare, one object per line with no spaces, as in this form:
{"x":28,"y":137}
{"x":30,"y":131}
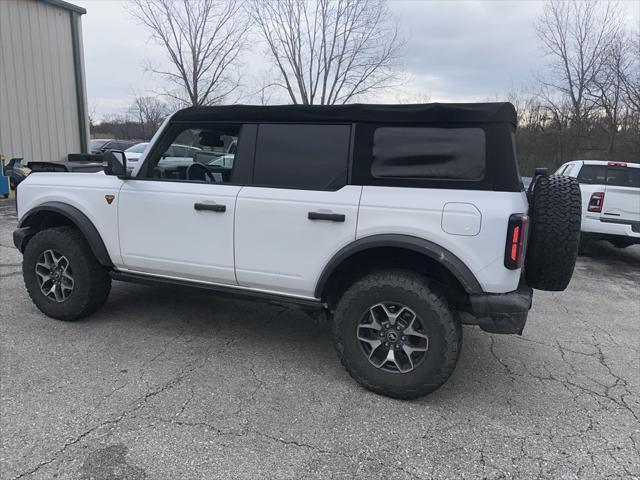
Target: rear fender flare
{"x":430,"y":249}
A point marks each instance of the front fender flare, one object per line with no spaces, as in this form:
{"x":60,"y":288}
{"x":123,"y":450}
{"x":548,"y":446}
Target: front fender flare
{"x":79,"y":219}
{"x":432,"y":250}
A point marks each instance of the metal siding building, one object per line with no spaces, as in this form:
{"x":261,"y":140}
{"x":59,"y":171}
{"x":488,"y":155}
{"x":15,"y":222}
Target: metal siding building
{"x":43,"y":101}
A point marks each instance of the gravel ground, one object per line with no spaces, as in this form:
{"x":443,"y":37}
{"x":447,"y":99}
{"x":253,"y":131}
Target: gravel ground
{"x":172,"y":385}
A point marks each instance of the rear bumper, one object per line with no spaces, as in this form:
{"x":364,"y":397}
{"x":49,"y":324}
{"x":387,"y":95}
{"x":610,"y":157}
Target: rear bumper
{"x":610,"y":227}
{"x":503,"y":312}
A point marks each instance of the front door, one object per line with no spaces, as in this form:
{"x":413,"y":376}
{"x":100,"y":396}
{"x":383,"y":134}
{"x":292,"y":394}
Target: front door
{"x":175,"y":229}
{"x":177,"y":220}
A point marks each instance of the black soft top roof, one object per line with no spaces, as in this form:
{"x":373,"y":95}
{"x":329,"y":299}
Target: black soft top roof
{"x":418,"y":113}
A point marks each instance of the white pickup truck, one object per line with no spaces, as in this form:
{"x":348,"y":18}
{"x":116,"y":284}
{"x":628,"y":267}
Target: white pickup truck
{"x":610,"y":200}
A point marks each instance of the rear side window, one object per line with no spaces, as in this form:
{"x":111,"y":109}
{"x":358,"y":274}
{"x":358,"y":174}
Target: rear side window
{"x":623,"y":177}
{"x":603,"y":175}
{"x":311,"y":157}
{"x":592,"y":174}
{"x":423,"y":152}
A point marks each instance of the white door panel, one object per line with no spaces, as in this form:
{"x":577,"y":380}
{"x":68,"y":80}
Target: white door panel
{"x":278,"y":247}
{"x":478,"y":240}
{"x":621,"y":203}
{"x":84,"y":191}
{"x":162,"y":233}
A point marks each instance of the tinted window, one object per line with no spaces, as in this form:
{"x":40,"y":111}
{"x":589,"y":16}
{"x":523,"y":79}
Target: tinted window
{"x":592,"y":174}
{"x":420,"y":152}
{"x":313,"y":157}
{"x":623,"y":177}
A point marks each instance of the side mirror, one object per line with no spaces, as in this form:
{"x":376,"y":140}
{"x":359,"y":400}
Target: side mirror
{"x":114,"y":162}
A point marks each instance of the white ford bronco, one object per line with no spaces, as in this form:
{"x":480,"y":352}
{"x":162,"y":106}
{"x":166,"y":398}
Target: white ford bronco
{"x":398,"y":222}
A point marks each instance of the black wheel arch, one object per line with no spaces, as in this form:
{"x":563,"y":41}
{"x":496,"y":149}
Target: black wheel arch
{"x":53,"y":214}
{"x":399,"y":242}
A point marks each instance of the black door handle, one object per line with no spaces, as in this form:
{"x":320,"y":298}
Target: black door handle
{"x":212,"y":207}
{"x":333,"y":217}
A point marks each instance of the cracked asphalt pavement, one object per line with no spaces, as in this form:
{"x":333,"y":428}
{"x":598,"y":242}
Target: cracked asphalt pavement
{"x":164,"y":384}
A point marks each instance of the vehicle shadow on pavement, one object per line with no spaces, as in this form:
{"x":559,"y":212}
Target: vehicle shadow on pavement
{"x":602,"y":257}
{"x":279,"y":334}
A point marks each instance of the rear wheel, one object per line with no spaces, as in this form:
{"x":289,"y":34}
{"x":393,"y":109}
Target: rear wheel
{"x":396,"y":335}
{"x":62,"y":276}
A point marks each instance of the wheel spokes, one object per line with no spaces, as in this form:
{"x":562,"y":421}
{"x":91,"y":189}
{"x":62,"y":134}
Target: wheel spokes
{"x":410,"y":331}
{"x":54,"y":275}
{"x":392,"y":337}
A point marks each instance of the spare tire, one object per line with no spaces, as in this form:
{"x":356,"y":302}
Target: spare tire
{"x":555,"y":214}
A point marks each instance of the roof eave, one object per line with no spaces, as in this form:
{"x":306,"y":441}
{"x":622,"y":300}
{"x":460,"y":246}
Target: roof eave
{"x":66,"y":6}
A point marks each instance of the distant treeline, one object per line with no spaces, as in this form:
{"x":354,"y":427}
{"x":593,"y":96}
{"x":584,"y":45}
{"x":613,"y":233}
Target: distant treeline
{"x":544,"y":142}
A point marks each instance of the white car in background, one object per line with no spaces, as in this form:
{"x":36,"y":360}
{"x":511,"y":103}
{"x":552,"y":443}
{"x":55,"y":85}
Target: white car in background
{"x":610,"y":200}
{"x":134,"y":153}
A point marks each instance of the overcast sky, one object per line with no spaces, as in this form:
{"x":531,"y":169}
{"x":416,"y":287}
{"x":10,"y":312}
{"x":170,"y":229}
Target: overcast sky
{"x":455,"y":51}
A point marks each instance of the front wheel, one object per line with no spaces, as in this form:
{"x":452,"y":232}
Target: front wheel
{"x":63,"y":277}
{"x":397,"y":336}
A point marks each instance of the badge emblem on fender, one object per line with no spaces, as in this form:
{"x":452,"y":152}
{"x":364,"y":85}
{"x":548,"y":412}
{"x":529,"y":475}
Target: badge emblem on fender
{"x":109,"y":198}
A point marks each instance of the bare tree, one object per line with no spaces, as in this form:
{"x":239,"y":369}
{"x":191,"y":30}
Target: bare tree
{"x":203,"y":39}
{"x":329,"y":51}
{"x":608,"y":89}
{"x":91,"y":115}
{"x":576,"y":35}
{"x":150,"y":112}
{"x":630,"y":75}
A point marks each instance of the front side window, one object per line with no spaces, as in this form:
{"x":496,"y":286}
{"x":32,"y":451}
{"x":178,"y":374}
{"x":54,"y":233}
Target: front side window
{"x":428,"y":152}
{"x":199,"y":154}
{"x":310,"y":157}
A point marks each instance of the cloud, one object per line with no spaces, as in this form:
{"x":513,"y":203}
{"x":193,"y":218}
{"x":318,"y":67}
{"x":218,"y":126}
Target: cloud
{"x":455,"y":51}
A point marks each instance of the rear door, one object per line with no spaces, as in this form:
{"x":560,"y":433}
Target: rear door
{"x":622,"y":194}
{"x":299,"y":210}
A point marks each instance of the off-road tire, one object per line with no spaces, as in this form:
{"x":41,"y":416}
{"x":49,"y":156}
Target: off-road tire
{"x":554,"y":237}
{"x":442,"y":324}
{"x":92,"y":282}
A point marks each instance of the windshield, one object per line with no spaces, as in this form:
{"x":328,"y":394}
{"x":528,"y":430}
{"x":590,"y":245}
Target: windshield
{"x":139,"y":148}
{"x":97,"y":143}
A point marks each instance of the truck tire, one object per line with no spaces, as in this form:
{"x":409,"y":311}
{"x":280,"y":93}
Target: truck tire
{"x":395,"y":335}
{"x":554,"y":237}
{"x":62,"y":276}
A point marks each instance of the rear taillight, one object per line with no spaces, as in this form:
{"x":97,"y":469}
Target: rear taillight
{"x":517,"y":233}
{"x":595,"y":202}
{"x":617,"y":164}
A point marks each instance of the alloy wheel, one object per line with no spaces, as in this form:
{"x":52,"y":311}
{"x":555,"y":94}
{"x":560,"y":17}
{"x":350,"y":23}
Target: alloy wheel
{"x":392,"y":337}
{"x":54,"y":275}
